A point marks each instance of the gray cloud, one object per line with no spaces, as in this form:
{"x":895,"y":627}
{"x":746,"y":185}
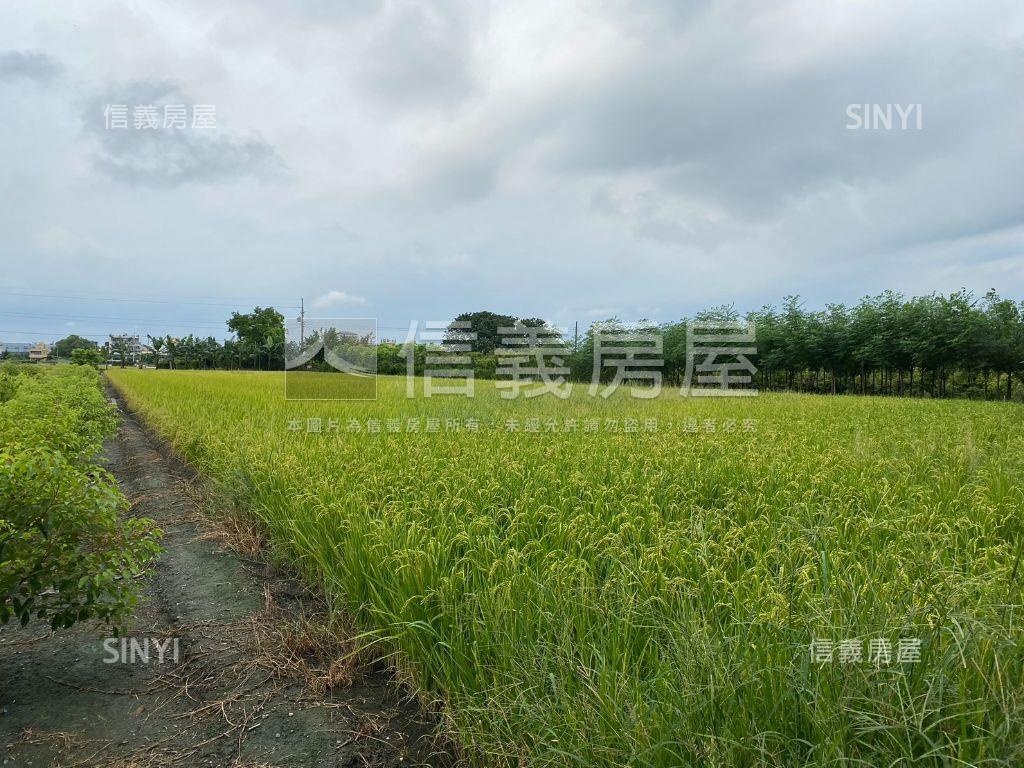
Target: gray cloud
{"x":28,"y":65}
{"x":540,"y":157}
{"x":169,"y":157}
{"x":713,"y":125}
{"x":327,"y":11}
{"x":420,"y":58}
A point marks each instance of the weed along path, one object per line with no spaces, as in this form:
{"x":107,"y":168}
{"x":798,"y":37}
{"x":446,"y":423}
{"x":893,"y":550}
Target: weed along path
{"x":223,"y":664}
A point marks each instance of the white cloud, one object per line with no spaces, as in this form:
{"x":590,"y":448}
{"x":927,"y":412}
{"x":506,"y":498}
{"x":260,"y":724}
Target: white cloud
{"x":333,"y":298}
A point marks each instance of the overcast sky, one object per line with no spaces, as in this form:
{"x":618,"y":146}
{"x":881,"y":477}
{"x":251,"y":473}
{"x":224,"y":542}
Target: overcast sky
{"x":413,"y":160}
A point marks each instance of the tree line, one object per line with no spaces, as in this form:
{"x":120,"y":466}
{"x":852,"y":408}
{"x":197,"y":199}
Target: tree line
{"x":938,"y":346}
{"x":953,"y":345}
{"x":257,"y":343}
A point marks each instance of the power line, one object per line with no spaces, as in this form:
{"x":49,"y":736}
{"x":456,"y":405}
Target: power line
{"x":62,"y":332}
{"x":120,"y":320}
{"x":137,"y":300}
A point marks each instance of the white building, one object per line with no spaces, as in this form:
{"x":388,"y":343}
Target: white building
{"x":125,"y":343}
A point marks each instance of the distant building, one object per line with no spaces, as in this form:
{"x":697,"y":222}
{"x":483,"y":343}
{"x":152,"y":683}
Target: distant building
{"x":39,"y":351}
{"x":15,"y":349}
{"x":148,"y":353}
{"x":127,"y":344}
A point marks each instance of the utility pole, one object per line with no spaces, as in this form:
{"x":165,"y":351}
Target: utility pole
{"x":576,"y":338}
{"x":302,"y":322}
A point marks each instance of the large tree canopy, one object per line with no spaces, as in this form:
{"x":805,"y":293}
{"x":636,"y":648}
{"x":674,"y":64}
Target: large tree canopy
{"x":260,"y":336}
{"x":485,"y":325}
{"x":68,"y":344}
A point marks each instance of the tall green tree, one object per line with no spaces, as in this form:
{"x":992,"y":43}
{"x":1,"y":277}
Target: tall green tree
{"x":65,"y":346}
{"x":484,"y":325}
{"x":1004,"y":337}
{"x":260,"y":336}
{"x":157,"y":343}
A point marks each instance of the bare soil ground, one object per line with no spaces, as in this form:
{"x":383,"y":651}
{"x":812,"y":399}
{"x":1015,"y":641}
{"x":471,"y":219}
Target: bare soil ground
{"x":259,"y":679}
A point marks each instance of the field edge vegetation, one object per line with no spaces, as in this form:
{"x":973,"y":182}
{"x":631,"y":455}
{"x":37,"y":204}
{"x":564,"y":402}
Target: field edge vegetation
{"x":67,"y":551}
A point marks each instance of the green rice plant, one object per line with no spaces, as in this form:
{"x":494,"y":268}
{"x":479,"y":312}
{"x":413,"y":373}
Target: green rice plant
{"x":649,"y":597}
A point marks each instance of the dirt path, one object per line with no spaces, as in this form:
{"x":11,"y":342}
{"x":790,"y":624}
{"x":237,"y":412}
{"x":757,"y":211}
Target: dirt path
{"x":252,"y":682}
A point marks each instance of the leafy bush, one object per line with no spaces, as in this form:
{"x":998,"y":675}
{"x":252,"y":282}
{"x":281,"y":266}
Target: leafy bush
{"x":65,"y":553}
{"x":11,"y":374}
{"x":88,"y":356}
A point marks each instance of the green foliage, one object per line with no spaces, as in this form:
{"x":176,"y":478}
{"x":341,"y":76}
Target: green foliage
{"x":92,"y":356}
{"x":322,"y":345}
{"x":484,"y":366}
{"x":485,"y":325}
{"x":194,"y":352}
{"x":12,"y":374}
{"x":931,"y":346}
{"x":483,"y":331}
{"x":935,"y":346}
{"x":65,"y":554}
{"x":648,"y":598}
{"x":391,"y":360}
{"x":260,"y":337}
{"x":67,"y":345}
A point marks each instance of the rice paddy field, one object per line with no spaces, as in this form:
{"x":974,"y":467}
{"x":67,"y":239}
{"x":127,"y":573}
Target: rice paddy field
{"x":772,"y":581}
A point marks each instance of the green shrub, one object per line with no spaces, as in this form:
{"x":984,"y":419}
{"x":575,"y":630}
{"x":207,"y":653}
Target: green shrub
{"x":65,"y":553}
{"x":88,"y":356}
{"x":11,"y":375}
